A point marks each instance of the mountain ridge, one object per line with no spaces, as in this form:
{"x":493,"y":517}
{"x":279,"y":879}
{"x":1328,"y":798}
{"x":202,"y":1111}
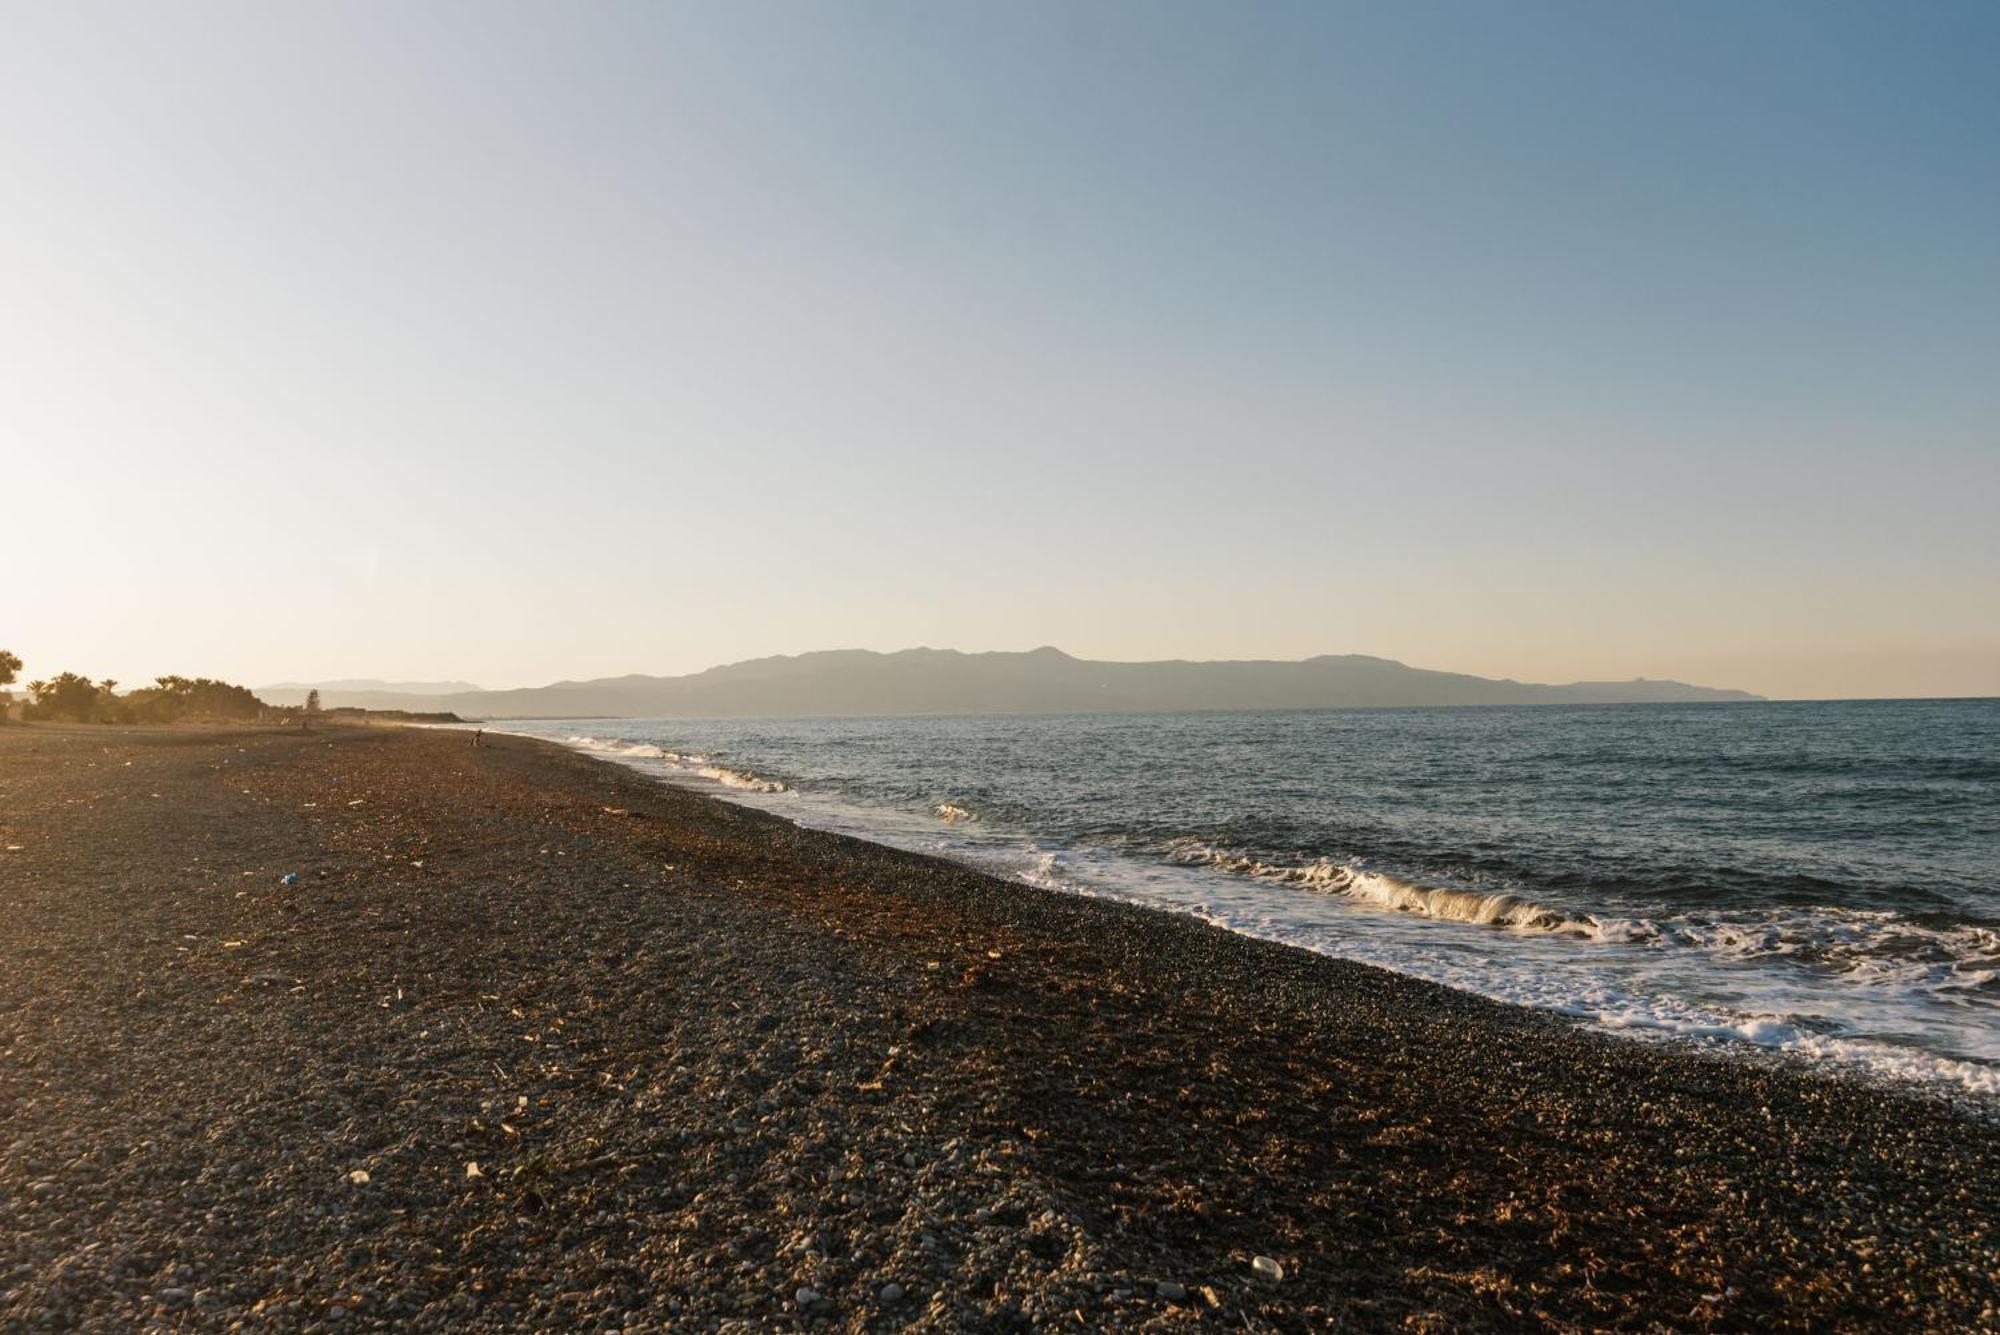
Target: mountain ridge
{"x":1042,"y":680}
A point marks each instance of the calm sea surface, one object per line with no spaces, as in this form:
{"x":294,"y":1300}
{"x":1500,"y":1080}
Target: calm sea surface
{"x":1817,"y":878}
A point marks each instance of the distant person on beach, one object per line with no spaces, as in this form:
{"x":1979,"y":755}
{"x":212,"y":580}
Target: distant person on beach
{"x":478,"y":733}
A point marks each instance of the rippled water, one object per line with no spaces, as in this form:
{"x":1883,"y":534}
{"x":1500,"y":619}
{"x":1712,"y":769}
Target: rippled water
{"x":1820,"y":878}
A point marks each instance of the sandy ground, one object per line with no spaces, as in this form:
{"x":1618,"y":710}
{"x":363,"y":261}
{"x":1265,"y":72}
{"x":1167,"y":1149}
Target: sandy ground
{"x":533,"y":1044}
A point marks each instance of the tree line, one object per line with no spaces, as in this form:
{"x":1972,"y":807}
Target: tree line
{"x":71,"y":697}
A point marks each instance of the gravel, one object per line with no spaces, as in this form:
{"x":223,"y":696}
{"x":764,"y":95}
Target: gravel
{"x":719,"y":1073}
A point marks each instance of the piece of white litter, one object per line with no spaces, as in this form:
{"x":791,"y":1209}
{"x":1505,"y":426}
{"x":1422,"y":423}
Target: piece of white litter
{"x":472,"y":1168}
{"x":1267,"y":1269}
{"x":14,"y":848}
{"x":359,"y":1177}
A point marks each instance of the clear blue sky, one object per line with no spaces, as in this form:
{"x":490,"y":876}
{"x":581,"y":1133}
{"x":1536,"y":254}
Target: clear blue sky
{"x":521,"y":342}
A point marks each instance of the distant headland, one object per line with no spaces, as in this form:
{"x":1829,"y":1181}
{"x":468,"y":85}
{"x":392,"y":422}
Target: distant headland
{"x":1046,"y":680}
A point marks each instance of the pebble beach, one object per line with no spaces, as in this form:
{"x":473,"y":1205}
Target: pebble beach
{"x":372,"y":1028}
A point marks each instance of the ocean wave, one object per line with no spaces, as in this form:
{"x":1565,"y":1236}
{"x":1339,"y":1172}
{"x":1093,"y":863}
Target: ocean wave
{"x":695,"y":762}
{"x":636,"y":750}
{"x":1869,"y":1057}
{"x":1380,"y":890}
{"x":736,"y":778}
{"x":633,"y":750}
{"x":1870,"y":948}
{"x":952,"y":813}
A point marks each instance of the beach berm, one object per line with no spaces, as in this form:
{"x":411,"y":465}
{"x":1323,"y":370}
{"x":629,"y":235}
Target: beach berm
{"x":373,"y":1028}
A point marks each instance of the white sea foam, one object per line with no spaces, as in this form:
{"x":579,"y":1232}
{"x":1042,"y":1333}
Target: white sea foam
{"x":693,"y":762}
{"x":1380,"y":890}
{"x":1864,"y":947}
{"x":1871,"y":947}
{"x":636,"y":750}
{"x":629,"y":750}
{"x":736,"y":778}
{"x":952,"y":813}
{"x":1643,"y":1016}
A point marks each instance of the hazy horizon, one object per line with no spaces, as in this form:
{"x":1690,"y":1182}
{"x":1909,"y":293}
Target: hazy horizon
{"x":515,"y":344}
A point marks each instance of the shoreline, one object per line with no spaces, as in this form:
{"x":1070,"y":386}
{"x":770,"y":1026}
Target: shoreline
{"x":1017,"y":1106}
{"x":1961,"y":1085}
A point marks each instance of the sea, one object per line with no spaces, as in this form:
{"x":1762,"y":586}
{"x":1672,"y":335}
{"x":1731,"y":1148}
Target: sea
{"x":1817,"y":879}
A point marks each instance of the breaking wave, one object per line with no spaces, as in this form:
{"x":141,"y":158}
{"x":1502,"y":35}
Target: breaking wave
{"x":636,"y":750}
{"x":1870,"y":947}
{"x":952,"y":813}
{"x":694,"y":762}
{"x":736,"y":778}
{"x":1878,"y":948}
{"x":1380,"y":890}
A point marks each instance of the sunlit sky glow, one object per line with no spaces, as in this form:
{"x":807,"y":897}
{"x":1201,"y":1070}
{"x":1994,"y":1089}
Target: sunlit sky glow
{"x":514,"y":343}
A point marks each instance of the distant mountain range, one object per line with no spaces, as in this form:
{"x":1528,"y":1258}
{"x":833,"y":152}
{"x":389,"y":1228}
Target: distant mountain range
{"x":944,"y":681}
